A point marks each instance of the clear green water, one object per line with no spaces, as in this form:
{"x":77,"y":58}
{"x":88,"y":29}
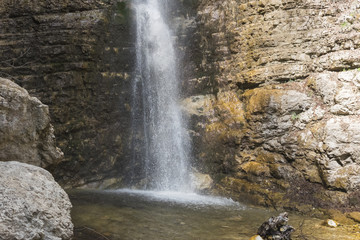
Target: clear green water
{"x":99,"y":215}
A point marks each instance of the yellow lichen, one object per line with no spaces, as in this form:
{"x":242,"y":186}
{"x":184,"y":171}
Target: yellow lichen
{"x":256,"y":169}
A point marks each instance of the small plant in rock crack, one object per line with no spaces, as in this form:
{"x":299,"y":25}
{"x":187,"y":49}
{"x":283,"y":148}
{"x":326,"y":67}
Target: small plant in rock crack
{"x":345,"y":24}
{"x":294,"y":116}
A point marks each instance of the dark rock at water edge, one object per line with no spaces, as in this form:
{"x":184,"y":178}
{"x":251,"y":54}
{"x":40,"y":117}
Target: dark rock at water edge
{"x":276,"y":228}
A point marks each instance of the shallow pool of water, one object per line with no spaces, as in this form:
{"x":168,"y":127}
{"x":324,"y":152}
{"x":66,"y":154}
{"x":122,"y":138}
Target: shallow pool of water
{"x":146,"y":215}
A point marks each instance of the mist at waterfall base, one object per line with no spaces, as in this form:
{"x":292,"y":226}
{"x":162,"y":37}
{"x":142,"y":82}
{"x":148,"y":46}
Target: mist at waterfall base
{"x":160,"y":142}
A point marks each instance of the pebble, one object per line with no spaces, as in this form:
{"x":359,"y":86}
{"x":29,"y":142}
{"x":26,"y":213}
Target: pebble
{"x":256,"y":237}
{"x":331,"y":223}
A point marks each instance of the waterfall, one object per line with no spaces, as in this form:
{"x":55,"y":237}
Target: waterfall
{"x":159,"y":140}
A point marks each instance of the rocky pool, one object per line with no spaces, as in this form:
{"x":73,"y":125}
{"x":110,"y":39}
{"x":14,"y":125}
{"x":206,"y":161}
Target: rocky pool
{"x":146,"y":215}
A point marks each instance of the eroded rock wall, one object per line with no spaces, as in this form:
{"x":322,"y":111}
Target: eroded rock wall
{"x":76,"y":57}
{"x":281,"y":126}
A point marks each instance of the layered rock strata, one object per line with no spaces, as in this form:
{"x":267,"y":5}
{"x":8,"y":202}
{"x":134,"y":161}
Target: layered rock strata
{"x":281,"y":127}
{"x":76,"y":57}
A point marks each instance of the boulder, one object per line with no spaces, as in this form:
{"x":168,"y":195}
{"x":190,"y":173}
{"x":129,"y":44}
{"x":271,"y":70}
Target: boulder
{"x":26,"y":134}
{"x":201,"y":182}
{"x":276,"y":228}
{"x":32,"y":204}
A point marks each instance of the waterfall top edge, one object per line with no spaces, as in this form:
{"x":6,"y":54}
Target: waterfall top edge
{"x":182,"y":198}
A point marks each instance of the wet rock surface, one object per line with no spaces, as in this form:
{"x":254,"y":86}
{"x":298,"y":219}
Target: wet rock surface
{"x":26,"y":133}
{"x":280,"y":127}
{"x":33,"y":205}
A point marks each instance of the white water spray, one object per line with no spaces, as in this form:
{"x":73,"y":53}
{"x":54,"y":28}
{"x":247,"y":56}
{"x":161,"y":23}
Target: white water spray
{"x":155,"y":108}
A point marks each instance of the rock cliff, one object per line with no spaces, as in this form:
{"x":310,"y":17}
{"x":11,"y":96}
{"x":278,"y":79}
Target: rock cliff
{"x":281,"y":126}
{"x":78,"y":58}
{"x":75,"y":56}
{"x":271,"y":88}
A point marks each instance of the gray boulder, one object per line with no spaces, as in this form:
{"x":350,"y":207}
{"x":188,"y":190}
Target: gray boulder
{"x":32,"y":204}
{"x":26,"y":134}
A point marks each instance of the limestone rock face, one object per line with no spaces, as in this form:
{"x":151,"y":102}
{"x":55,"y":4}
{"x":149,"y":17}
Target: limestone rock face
{"x":33,"y":205}
{"x":75,"y":57}
{"x":282,"y":124}
{"x":78,"y":58}
{"x":26,"y":133}
{"x":259,"y":42}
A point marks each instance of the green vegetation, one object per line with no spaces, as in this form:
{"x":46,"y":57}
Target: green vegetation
{"x":294,"y":116}
{"x":345,"y":24}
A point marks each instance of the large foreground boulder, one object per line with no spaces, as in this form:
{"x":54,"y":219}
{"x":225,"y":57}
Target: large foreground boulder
{"x":32,"y":204}
{"x":26,"y":134}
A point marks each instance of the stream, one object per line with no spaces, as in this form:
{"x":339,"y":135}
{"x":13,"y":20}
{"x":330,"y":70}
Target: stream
{"x":149,"y":215}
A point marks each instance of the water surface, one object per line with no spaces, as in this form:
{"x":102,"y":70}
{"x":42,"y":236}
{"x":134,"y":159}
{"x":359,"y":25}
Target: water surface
{"x":141,"y":215}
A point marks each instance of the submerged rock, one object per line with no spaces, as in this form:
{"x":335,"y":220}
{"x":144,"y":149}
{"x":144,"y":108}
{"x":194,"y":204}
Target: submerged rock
{"x":276,"y":228}
{"x":32,"y":204}
{"x":26,"y":133}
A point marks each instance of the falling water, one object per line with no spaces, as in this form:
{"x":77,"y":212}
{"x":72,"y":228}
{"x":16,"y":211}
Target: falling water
{"x":157,"y":118}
